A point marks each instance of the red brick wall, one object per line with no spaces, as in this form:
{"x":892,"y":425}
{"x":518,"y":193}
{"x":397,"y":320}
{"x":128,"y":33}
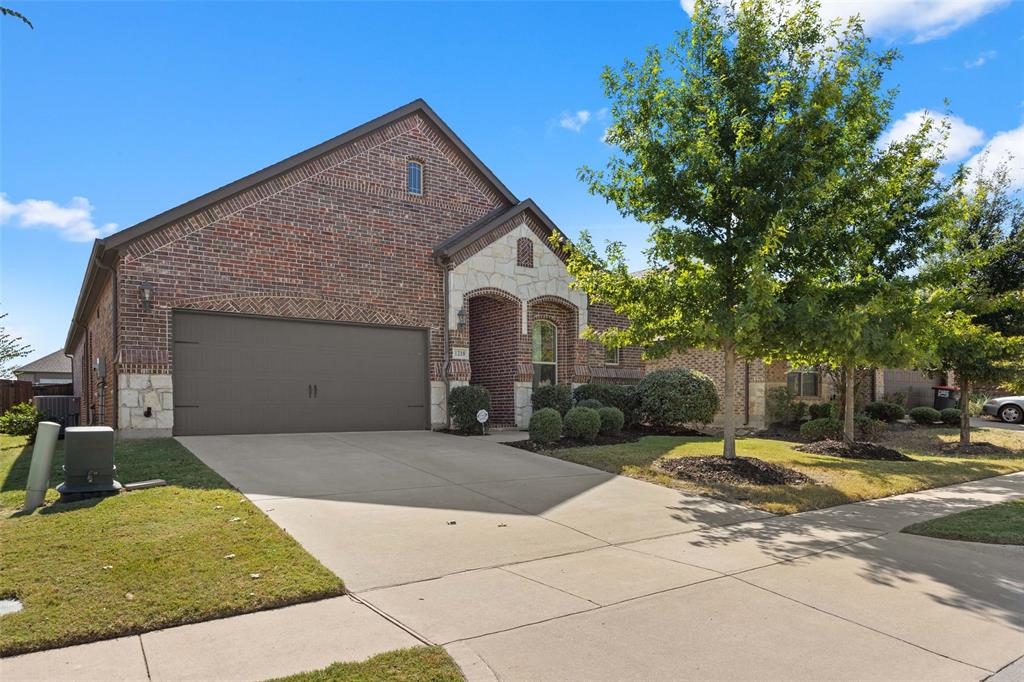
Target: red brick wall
{"x":97,"y":340}
{"x":601,"y":317}
{"x":494,"y":339}
{"x":338,"y":238}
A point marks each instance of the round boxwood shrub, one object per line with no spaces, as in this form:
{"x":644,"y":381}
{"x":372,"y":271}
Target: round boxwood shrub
{"x":885,"y":411}
{"x":821,"y":410}
{"x":597,"y":392}
{"x":557,"y":396}
{"x":671,"y":397}
{"x":622,"y":396}
{"x":545,"y":426}
{"x":867,"y":428}
{"x":950,"y":416}
{"x":592,"y":403}
{"x":583,"y":423}
{"x":925,"y":415}
{"x":612,"y":420}
{"x":463,"y":404}
{"x":822,"y":429}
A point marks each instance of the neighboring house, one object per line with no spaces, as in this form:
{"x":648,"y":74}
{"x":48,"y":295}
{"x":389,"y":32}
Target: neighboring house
{"x":54,"y":368}
{"x":344,"y":288}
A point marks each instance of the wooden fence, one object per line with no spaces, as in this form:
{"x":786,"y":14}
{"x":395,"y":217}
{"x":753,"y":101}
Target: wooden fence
{"x":13,"y":392}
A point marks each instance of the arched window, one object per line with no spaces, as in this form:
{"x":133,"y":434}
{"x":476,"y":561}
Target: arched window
{"x":545,"y":353}
{"x":414,"y":177}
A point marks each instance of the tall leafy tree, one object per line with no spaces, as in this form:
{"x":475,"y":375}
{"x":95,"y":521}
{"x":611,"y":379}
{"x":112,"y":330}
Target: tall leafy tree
{"x":979,"y":279}
{"x":734,"y":145}
{"x":864,"y":306}
{"x":11,"y":348}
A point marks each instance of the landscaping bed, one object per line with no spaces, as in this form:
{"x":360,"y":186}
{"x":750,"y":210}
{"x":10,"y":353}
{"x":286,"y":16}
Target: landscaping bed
{"x":627,"y":436}
{"x":834,"y":480}
{"x":194,"y":550}
{"x":416,"y":664}
{"x":1001,"y":524}
{"x":854,"y":450}
{"x":741,"y":470}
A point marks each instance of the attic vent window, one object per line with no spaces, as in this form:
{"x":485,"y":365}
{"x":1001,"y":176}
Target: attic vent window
{"x":414,"y":177}
{"x":524,"y":252}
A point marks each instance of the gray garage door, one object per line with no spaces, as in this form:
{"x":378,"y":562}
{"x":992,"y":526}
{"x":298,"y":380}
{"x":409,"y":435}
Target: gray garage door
{"x":236,"y":374}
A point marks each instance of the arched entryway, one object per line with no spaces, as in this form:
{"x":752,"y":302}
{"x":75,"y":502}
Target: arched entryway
{"x":494,"y":331}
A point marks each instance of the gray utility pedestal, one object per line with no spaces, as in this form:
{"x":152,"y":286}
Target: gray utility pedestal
{"x":88,"y":463}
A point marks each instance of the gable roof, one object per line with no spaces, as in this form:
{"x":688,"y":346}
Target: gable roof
{"x":55,"y":362}
{"x":102,"y":246}
{"x":477,"y":230}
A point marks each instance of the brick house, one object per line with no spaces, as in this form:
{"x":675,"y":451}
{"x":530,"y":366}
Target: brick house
{"x":344,"y":288}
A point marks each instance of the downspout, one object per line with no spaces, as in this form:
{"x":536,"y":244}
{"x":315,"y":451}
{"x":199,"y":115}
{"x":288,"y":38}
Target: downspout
{"x":446,"y":357}
{"x":746,"y":394}
{"x":113,"y":351}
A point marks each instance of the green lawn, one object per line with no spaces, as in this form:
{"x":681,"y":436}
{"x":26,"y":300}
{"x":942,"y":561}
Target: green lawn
{"x":1001,"y":524}
{"x":101,"y":568}
{"x":837,"y":480}
{"x":418,"y":664}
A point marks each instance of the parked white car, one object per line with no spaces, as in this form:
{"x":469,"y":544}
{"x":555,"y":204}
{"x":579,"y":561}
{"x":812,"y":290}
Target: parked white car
{"x":1009,"y":408}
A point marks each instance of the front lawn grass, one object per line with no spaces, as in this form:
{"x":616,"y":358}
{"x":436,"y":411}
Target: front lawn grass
{"x":107,"y":567}
{"x":837,"y":480}
{"x":1001,"y":524}
{"x":417,"y":664}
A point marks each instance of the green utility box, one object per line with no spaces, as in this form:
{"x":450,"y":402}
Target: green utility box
{"x":88,"y":463}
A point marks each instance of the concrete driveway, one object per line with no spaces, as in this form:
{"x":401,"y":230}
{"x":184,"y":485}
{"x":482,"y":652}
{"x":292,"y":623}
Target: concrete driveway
{"x":529,"y":568}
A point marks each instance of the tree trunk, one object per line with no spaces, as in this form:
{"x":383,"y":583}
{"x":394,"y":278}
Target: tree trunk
{"x":965,"y":414}
{"x":728,"y":402}
{"x":849,"y":372}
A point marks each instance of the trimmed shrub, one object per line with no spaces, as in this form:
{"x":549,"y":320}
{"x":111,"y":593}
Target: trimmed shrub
{"x":783,"y":407}
{"x":597,"y":392}
{"x":545,"y":426}
{"x":885,"y":411}
{"x":21,"y":420}
{"x":925,"y":415}
{"x":867,"y":428}
{"x":821,"y":410}
{"x":950,"y":416}
{"x":557,"y":396}
{"x":592,"y":403}
{"x":671,"y":397}
{"x":611,"y":421}
{"x":583,"y":423}
{"x":822,"y":429}
{"x":622,"y":396}
{"x":463,"y":403}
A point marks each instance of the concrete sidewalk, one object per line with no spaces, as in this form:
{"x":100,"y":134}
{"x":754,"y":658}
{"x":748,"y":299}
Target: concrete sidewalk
{"x":253,"y":647}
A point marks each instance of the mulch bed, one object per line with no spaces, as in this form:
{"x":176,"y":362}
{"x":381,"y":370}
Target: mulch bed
{"x":855,"y":450}
{"x":565,"y":443}
{"x":976,"y":449}
{"x":738,"y":471}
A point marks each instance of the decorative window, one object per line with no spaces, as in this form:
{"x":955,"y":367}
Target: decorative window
{"x":414,"y":177}
{"x":804,"y":383}
{"x":545,"y":353}
{"x":524,"y":252}
{"x":611,"y":356}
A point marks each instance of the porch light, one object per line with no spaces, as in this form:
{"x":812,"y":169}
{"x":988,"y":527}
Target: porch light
{"x":462,"y":319}
{"x":146,"y":295}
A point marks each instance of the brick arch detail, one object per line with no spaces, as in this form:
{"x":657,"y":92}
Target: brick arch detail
{"x":298,"y":307}
{"x":558,"y":300}
{"x":493,"y":292}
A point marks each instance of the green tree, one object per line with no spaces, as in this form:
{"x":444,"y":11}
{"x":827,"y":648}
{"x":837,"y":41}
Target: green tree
{"x":8,"y":12}
{"x":979,"y":280}
{"x":11,"y":348}
{"x":734,"y":145}
{"x":864,"y":304}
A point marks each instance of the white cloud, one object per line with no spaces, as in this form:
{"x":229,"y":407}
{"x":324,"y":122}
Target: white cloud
{"x":1006,"y":147}
{"x":574,"y":122}
{"x":72,"y":222}
{"x":922,"y":20}
{"x":980,"y":60}
{"x":963,"y":137}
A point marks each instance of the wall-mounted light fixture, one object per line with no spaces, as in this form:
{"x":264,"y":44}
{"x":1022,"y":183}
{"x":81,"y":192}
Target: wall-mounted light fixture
{"x":146,"y":290}
{"x":462,"y":319}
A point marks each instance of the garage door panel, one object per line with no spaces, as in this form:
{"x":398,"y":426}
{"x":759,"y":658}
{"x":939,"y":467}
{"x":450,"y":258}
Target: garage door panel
{"x":235,"y":374}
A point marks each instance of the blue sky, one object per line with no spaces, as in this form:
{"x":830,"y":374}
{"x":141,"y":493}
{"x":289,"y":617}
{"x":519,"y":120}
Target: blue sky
{"x":111,"y":113}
